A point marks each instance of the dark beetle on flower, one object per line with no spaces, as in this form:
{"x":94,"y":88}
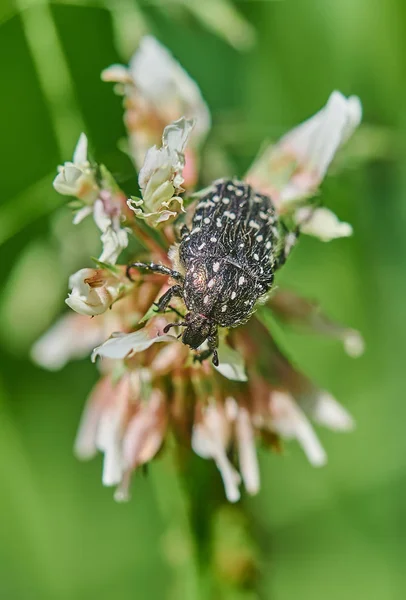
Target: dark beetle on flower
{"x":225,"y":263}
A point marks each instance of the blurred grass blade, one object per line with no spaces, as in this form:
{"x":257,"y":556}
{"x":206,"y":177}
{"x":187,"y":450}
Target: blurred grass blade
{"x":23,"y":209}
{"x":52,"y":71}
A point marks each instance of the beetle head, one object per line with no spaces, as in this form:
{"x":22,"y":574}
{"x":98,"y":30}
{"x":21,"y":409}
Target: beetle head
{"x":198,"y":328}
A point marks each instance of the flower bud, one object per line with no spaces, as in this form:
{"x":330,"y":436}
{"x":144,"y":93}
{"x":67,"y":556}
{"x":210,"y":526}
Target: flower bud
{"x":93,"y":291}
{"x":77,"y":178}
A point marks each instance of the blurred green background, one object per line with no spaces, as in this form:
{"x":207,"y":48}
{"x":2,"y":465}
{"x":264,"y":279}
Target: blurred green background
{"x":331,"y":533}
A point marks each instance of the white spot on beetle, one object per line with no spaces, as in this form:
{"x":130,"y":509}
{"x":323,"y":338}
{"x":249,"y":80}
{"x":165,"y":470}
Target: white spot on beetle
{"x":230,"y":187}
{"x":224,"y":308}
{"x":247,"y":302}
{"x":233,"y":295}
{"x":218,"y":222}
{"x":226,"y":200}
{"x":268,"y":245}
{"x":195,"y":230}
{"x":256,"y":256}
{"x":253,"y":224}
{"x":198,"y":217}
{"x":239,"y":192}
{"x":216,"y":198}
{"x":263,"y":215}
{"x":201,"y":246}
{"x":241,"y":245}
{"x":206,"y":220}
{"x":211,"y":283}
{"x":213,"y":239}
{"x":216,"y":267}
{"x":206,"y":299}
{"x":259,"y":238}
{"x":241,"y":280}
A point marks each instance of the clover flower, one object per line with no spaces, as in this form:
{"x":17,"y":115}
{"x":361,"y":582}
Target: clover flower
{"x":150,"y":389}
{"x":97,"y":194}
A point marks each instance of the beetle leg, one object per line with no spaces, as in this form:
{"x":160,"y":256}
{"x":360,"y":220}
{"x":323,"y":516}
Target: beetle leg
{"x":177,"y":324}
{"x":155,"y":268}
{"x":184,"y":230}
{"x":212,"y":341}
{"x":175,"y":290}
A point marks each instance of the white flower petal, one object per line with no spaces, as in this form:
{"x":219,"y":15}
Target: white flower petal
{"x":231,"y":363}
{"x":176,"y":135}
{"x":114,"y":238}
{"x":315,"y":142}
{"x":161,"y":176}
{"x":80,"y":153}
{"x":123,"y":344}
{"x":322,"y":223}
{"x":293,"y":169}
{"x":290,"y":422}
{"x":116,"y":73}
{"x":70,"y":338}
{"x":82,"y":214}
{"x":161,"y":80}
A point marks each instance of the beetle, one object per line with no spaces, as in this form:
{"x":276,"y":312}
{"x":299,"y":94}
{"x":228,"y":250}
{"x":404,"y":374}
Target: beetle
{"x":225,"y":262}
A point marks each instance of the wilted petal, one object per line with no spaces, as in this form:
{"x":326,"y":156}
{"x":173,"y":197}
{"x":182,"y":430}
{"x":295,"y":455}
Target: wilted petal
{"x":125,"y":344}
{"x":209,"y":440}
{"x":231,"y":363}
{"x":324,"y":409}
{"x":110,"y":433}
{"x":144,"y":432}
{"x":247,"y":452}
{"x":85,"y":444}
{"x":72,"y":337}
{"x":322,"y":223}
{"x":289,"y":421}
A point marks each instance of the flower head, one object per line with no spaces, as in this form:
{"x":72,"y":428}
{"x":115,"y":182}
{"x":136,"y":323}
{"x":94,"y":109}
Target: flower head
{"x":151,"y":386}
